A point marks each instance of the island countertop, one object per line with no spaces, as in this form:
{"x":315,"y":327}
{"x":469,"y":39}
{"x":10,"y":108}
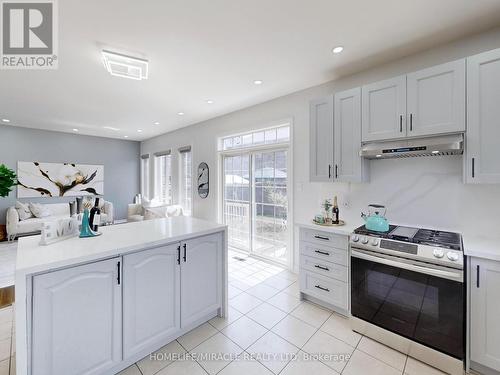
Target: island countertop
{"x":116,"y":239}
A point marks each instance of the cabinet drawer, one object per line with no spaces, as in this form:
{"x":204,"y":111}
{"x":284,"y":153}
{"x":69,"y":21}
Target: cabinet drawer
{"x":337,"y":256}
{"x":324,"y":238}
{"x":324,"y":288}
{"x":324,"y":268}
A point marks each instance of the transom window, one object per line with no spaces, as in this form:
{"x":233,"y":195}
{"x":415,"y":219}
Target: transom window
{"x":276,"y":135}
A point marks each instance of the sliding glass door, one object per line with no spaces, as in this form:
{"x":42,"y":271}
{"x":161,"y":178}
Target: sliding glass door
{"x":256,"y":202}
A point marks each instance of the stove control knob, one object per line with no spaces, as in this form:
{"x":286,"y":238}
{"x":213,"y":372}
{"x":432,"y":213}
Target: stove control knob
{"x":438,"y":253}
{"x":355,"y":238}
{"x":375,"y":242}
{"x":452,"y":256}
{"x":364,"y":241}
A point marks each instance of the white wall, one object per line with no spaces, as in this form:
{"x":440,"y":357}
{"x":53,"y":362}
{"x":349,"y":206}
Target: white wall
{"x":421,"y":191}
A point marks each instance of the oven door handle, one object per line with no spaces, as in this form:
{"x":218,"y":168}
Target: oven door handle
{"x":450,"y":275}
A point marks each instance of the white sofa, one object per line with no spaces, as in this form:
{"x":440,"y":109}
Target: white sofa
{"x":33,"y":225}
{"x":137,"y":212}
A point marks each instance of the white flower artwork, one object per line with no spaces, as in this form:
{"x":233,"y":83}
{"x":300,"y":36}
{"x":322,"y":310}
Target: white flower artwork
{"x":36,"y":179}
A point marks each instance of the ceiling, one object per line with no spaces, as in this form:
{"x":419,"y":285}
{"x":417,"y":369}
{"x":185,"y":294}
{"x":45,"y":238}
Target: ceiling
{"x":214,"y":50}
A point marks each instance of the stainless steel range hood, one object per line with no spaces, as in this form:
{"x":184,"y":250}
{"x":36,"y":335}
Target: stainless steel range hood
{"x":432,"y":146}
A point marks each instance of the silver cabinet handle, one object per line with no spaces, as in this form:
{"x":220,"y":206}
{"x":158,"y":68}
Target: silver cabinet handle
{"x":322,"y":267}
{"x":320,"y":287}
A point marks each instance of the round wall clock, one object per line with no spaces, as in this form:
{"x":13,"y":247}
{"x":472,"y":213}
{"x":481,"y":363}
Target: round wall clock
{"x":203,"y":179}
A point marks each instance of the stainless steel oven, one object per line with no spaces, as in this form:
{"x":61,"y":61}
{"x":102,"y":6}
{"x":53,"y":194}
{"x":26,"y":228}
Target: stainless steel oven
{"x":398,"y":292}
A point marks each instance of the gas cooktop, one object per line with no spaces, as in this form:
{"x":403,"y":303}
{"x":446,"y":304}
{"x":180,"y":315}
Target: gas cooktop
{"x":430,"y":237}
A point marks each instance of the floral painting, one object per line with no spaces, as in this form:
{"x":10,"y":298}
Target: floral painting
{"x":36,"y":179}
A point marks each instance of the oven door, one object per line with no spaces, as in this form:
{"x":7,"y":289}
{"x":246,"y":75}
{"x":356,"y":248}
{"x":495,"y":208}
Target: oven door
{"x":419,"y":301}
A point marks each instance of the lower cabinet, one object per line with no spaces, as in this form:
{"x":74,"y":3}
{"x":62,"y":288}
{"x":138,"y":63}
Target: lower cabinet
{"x":77,"y":325}
{"x":77,"y":320}
{"x":151,"y":298}
{"x":484,"y":314}
{"x":201,"y":278}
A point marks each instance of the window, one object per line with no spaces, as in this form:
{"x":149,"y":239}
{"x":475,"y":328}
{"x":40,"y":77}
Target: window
{"x":145,"y":176}
{"x":276,"y":135}
{"x":163,"y":177}
{"x":185,"y":187}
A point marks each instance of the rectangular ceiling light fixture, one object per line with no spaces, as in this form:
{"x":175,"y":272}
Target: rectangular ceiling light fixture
{"x":125,"y":66}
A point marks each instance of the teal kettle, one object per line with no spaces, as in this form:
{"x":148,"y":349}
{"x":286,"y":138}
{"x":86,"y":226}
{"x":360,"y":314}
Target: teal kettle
{"x":375,"y":220}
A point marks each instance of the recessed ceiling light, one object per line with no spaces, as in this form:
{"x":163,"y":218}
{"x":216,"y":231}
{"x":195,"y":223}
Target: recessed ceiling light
{"x":5,"y":120}
{"x":180,"y":113}
{"x":378,"y":156}
{"x":338,"y":49}
{"x":210,"y":102}
{"x":156,"y":123}
{"x":435,"y":152}
{"x":75,"y":129}
{"x":125,"y":136}
{"x":258,"y":82}
{"x":125,"y":66}
{"x":139,"y":130}
{"x":111,"y":128}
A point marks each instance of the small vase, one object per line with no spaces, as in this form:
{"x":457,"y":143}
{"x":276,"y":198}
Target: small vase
{"x":86,"y":231}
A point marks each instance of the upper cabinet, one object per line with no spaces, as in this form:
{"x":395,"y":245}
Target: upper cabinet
{"x":321,"y":139}
{"x":384,"y":110}
{"x":436,"y":100}
{"x":348,"y":165}
{"x":483,"y":114}
{"x":427,"y":102}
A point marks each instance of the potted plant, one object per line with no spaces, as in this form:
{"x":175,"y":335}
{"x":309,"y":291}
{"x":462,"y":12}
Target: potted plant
{"x":7,"y":181}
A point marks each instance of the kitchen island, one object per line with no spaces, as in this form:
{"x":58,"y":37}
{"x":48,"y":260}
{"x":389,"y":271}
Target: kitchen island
{"x":97,"y":305}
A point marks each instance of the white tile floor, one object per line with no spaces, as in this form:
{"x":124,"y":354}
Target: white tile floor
{"x":268,"y":331}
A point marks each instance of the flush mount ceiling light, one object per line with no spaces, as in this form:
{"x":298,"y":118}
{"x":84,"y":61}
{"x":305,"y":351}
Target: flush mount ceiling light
{"x":5,"y":120}
{"x":258,"y":82}
{"x":338,"y":49}
{"x":125,"y":66}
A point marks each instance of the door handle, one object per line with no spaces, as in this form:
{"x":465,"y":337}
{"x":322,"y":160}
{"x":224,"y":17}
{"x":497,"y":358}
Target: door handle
{"x":179,"y":254}
{"x":329,"y":171}
{"x":184,"y":257}
{"x":477,"y":276}
{"x":322,"y":267}
{"x":411,"y":122}
{"x":320,"y":287}
{"x":400,"y":123}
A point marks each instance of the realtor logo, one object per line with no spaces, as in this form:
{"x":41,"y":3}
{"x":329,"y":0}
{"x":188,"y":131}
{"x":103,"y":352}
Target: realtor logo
{"x":29,"y":34}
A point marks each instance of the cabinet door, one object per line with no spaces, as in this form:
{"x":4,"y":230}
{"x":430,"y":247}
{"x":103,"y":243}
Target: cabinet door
{"x":436,"y":99}
{"x":201,"y":278}
{"x":384,"y":110}
{"x":151,"y":298}
{"x":77,"y":320}
{"x":321,"y":139}
{"x":483,"y":118}
{"x":348,"y":165}
{"x":485,"y":313}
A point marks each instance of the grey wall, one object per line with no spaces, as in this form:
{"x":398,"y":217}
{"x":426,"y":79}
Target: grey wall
{"x":120,"y":160}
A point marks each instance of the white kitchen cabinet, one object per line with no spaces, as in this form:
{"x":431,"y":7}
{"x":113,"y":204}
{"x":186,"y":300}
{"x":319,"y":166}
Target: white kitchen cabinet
{"x":483,"y":118}
{"x":151,"y":298}
{"x":348,"y":165}
{"x":384,"y":110}
{"x":201,"y":262}
{"x":484,"y":314}
{"x":436,"y":100}
{"x":77,"y":320}
{"x":321,"y":139}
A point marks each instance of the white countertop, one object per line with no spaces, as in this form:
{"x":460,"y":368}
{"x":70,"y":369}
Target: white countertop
{"x":346,"y":229}
{"x":482,"y":246}
{"x":116,"y":239}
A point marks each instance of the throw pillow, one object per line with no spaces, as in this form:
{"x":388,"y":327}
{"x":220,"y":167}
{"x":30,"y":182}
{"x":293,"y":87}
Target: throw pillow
{"x":39,"y":210}
{"x":23,"y":210}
